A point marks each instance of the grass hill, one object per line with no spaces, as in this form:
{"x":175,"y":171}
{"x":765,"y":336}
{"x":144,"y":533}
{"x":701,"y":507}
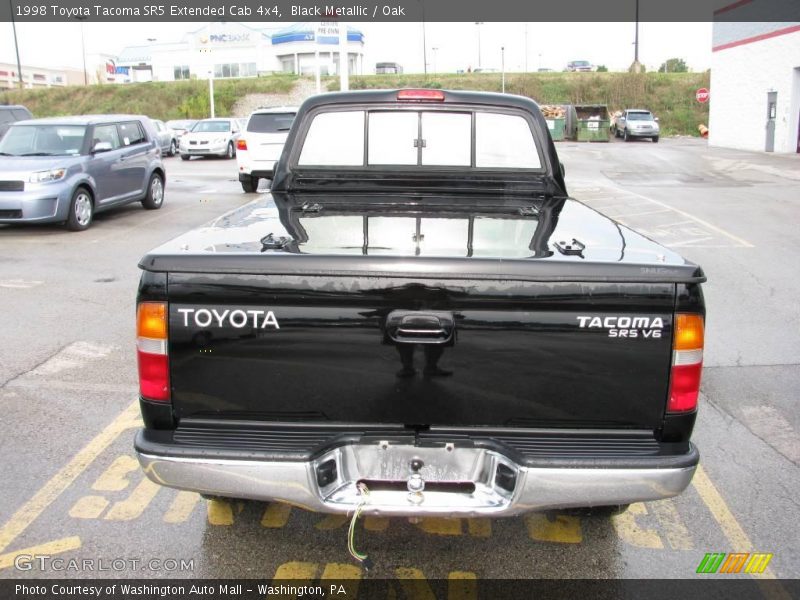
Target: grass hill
{"x":669,"y":95}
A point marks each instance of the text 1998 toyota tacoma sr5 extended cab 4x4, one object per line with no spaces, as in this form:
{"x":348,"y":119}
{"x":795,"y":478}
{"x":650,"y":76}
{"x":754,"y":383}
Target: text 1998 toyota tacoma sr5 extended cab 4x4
{"x":419,"y":313}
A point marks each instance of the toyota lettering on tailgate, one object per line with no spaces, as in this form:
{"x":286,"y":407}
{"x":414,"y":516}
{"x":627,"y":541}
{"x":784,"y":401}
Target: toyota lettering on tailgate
{"x":205,"y":317}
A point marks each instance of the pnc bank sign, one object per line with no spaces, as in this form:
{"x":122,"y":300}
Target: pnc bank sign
{"x":224,"y":38}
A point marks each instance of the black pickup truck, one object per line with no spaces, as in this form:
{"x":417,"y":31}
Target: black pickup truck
{"x":420,"y":308}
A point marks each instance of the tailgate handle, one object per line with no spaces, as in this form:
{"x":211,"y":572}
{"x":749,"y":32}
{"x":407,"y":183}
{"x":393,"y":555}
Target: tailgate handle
{"x":415,"y":327}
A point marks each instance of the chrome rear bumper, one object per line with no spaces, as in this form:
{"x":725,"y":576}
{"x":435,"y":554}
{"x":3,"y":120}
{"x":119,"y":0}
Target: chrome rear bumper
{"x":448,"y":480}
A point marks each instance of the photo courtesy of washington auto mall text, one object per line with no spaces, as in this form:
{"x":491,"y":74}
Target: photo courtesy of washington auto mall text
{"x":399,"y":299}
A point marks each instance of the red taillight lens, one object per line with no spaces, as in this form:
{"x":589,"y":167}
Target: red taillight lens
{"x":241,"y":144}
{"x":151,"y":351}
{"x":687,"y":363}
{"x":154,"y":376}
{"x":421,"y":95}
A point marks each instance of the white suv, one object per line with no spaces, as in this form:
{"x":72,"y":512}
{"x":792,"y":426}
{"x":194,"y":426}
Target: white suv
{"x":261,"y":144}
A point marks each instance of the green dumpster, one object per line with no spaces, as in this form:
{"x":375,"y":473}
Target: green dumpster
{"x":556,"y":127}
{"x":593,"y":123}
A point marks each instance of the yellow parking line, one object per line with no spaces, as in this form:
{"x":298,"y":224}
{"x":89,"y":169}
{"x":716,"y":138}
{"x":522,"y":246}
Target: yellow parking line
{"x":220,"y":512}
{"x":376,"y":523}
{"x":671,"y":523}
{"x":115,"y":478}
{"x":276,"y":515}
{"x":736,"y":536}
{"x":440,"y":525}
{"x":88,"y":507}
{"x":300,"y":572}
{"x":296,"y":570}
{"x":634,"y":534}
{"x":182,"y":507}
{"x":479,"y":527}
{"x":135,"y":504}
{"x":414,"y":584}
{"x":56,"y":547}
{"x":462,"y":585}
{"x":563,"y":529}
{"x":348,"y":576}
{"x":51,"y":490}
{"x":340,"y":571}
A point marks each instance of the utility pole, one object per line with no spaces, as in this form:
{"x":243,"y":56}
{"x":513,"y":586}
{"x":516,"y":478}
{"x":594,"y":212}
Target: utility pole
{"x":479,"y":23}
{"x":434,"y":58}
{"x":636,"y":67}
{"x":636,"y":39}
{"x":424,"y":47}
{"x":16,"y":46}
{"x":503,"y":67}
{"x":83,"y":49}
{"x":344,"y":61}
{"x":526,"y":47}
{"x":206,"y":50}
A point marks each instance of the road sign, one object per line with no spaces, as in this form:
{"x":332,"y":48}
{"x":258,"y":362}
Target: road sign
{"x":702,"y":95}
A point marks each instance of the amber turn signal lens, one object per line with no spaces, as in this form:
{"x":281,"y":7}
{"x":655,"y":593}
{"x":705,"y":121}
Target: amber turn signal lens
{"x":151,"y":320}
{"x":688,"y":332}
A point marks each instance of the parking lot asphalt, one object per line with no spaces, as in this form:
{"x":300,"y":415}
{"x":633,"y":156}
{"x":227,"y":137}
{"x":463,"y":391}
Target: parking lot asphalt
{"x":72,"y":489}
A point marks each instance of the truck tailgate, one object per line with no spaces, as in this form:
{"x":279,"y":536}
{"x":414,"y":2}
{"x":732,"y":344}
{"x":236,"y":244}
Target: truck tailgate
{"x":377,"y":350}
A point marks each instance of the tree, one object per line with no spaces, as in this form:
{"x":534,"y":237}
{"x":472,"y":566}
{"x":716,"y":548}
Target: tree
{"x":673,"y":65}
{"x":602,"y":69}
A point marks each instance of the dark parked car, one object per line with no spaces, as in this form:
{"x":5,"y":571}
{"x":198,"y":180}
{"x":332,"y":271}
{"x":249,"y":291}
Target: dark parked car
{"x":65,"y":169}
{"x":10,"y":115}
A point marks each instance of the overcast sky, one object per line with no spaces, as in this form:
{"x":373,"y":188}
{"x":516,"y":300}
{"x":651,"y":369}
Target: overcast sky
{"x":549,"y":45}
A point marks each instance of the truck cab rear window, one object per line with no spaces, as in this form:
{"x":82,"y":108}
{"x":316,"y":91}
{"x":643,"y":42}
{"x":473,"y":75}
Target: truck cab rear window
{"x":461,"y":139}
{"x":270,"y":122}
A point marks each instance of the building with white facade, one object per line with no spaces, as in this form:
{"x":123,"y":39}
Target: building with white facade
{"x":37,"y":77}
{"x":238,"y":50}
{"x":755,"y":87}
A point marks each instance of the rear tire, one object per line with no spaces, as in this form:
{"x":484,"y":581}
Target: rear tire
{"x":81,"y":210}
{"x":155,"y":193}
{"x":250,"y":184}
{"x":655,"y":139}
{"x":185,"y":157}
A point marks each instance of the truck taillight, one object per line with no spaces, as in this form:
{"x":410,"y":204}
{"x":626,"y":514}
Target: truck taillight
{"x":687,"y":363}
{"x":151,"y":351}
{"x":241,"y":144}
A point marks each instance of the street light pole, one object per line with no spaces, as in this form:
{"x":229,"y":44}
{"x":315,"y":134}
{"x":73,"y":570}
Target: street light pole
{"x":16,"y":46}
{"x":81,"y":19}
{"x":636,"y":41}
{"x":503,"y":67}
{"x":344,"y":60}
{"x":479,"y":23}
{"x":526,"y":47}
{"x":424,"y":41}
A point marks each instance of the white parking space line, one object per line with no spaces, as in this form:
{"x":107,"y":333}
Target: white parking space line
{"x":73,"y":356}
{"x":644,"y":214}
{"x":704,"y":223}
{"x":118,"y":233}
{"x":19,"y":284}
{"x":639,"y":214}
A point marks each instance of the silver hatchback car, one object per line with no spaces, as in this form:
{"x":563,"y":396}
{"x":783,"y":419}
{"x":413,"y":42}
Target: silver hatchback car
{"x":65,"y":169}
